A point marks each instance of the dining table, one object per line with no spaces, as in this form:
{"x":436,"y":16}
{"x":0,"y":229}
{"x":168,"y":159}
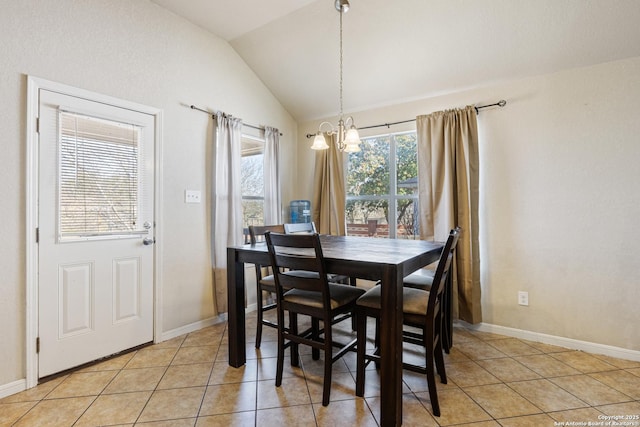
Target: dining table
{"x":386,"y":261}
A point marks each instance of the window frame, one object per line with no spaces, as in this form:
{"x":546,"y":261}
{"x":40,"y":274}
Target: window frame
{"x":257,"y":147}
{"x":392,"y":197}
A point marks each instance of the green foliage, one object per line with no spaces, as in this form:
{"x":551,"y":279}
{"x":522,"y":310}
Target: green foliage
{"x":369,"y":169}
{"x":407,"y":160}
{"x":368,"y":179}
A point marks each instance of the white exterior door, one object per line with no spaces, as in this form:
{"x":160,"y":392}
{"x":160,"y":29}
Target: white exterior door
{"x":96,"y":230}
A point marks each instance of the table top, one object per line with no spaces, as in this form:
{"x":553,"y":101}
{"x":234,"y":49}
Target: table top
{"x":364,"y":256}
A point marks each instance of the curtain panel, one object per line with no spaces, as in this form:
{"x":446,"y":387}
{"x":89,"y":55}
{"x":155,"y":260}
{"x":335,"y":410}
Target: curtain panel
{"x":448,"y":189}
{"x":226,"y":209}
{"x":272,"y":195}
{"x":329,"y":196}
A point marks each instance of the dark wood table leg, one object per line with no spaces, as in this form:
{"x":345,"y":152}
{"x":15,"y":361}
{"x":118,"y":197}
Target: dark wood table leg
{"x":235,"y":307}
{"x":391,"y":349}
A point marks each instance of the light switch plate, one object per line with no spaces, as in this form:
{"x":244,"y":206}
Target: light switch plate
{"x":523,"y":298}
{"x":191,"y":196}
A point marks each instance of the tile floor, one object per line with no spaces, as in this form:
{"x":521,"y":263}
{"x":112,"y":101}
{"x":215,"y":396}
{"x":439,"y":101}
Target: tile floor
{"x":493,"y":381}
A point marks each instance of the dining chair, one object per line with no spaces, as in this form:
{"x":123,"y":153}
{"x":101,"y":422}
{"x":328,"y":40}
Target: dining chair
{"x":265,"y":281}
{"x":423,"y":279}
{"x":311,"y":295}
{"x":310,"y":227}
{"x":422,"y":310}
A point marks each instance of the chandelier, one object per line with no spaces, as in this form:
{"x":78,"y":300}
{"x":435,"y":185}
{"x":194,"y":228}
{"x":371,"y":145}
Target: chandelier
{"x":347,"y":139}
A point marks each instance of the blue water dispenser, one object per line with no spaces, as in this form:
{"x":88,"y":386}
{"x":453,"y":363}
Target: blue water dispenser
{"x":300,"y":211}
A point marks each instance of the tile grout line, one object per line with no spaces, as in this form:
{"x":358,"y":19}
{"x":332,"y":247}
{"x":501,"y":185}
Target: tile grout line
{"x":159,"y":381}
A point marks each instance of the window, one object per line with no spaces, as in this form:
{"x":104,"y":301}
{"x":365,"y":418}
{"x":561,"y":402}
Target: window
{"x":382,"y":187}
{"x":99,"y":179}
{"x":252,"y":182}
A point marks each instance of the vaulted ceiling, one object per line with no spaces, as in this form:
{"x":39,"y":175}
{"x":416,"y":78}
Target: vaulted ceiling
{"x":399,"y":50}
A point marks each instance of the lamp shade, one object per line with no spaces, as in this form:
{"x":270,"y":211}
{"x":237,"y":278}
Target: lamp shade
{"x":319,"y":142}
{"x":352,"y":137}
{"x":352,"y":140}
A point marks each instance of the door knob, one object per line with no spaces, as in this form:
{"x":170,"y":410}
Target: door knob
{"x":148,"y":241}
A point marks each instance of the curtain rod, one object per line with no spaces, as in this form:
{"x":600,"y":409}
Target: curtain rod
{"x":500,"y":103}
{"x":213,"y":115}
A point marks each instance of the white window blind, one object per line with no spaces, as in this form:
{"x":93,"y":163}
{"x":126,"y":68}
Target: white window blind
{"x":98,"y":177}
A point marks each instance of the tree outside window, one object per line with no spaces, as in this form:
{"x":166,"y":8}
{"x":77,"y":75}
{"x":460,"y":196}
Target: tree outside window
{"x":382,"y":187}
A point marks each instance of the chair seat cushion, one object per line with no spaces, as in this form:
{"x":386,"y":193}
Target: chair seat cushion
{"x":414,"y":301}
{"x":341,"y":295}
{"x":421,"y":279}
{"x":268,"y":283}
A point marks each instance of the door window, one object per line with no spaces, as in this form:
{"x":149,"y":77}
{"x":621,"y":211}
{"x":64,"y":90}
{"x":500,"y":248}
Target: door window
{"x":99,"y":178}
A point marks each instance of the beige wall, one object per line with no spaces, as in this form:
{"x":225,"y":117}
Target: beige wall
{"x":136,"y":51}
{"x":560,"y":199}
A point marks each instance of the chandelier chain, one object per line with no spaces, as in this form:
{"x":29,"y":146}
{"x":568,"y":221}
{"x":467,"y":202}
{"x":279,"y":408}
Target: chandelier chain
{"x":341,"y":13}
{"x":346,"y":135}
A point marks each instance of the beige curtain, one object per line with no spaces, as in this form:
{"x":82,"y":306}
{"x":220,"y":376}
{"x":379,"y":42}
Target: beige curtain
{"x":448,"y":192}
{"x":226,"y":206}
{"x":328,"y":202}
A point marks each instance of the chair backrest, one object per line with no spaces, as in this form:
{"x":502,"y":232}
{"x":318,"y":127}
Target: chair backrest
{"x":300,"y":227}
{"x":256,"y":235}
{"x":292,"y":253}
{"x":434,"y":306}
{"x":256,"y":232}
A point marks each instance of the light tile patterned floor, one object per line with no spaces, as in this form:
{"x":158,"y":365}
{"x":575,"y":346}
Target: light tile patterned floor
{"x":493,"y":381}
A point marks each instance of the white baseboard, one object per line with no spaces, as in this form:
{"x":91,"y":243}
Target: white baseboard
{"x":195,"y":326}
{"x":13,"y":388}
{"x":607,"y":350}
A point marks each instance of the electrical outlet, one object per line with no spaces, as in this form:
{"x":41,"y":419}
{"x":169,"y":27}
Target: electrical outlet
{"x":191,"y":196}
{"x":523,"y":298}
